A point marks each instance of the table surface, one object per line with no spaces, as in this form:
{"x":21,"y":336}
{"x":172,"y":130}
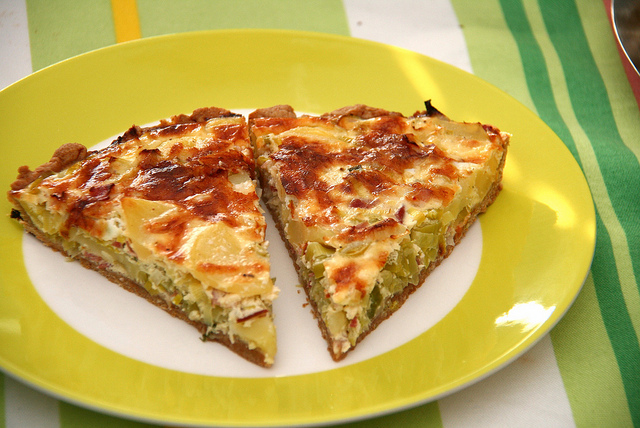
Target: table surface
{"x":560,"y":58}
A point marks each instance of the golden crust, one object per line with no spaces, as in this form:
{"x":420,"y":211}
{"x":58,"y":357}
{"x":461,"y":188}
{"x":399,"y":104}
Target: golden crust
{"x":70,"y":153}
{"x":202,"y":115}
{"x":64,"y":156}
{"x":361,"y":111}
{"x":358,"y":110}
{"x":281,"y":110}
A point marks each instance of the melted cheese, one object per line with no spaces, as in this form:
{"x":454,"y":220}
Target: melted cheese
{"x":176,"y":205}
{"x":360,"y":186}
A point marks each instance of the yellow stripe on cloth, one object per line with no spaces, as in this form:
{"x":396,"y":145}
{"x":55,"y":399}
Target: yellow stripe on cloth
{"x":125,"y":20}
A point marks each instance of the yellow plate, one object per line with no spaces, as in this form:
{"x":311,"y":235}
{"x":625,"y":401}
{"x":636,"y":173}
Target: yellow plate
{"x":537,"y":239}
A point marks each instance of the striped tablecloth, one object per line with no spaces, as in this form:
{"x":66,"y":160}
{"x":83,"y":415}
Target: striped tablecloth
{"x":560,"y":58}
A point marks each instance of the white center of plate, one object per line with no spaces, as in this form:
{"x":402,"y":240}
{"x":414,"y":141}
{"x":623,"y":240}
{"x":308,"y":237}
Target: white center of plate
{"x":129,"y":325}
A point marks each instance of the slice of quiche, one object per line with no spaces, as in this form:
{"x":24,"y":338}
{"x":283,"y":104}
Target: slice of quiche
{"x":169,"y":212}
{"x":370,"y":201}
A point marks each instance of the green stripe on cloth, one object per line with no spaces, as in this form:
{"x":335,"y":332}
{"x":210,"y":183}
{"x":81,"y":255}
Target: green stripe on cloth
{"x":627,"y":117}
{"x":64,"y":28}
{"x":536,"y":74}
{"x":582,"y":84}
{"x":592,"y":107}
{"x":539,"y":83}
{"x":497,"y":63}
{"x":584,"y":377}
{"x":590,"y":165}
{"x":426,"y":416}
{"x":546,"y":93}
{"x":617,"y":322}
{"x":624,"y":103}
{"x":3,"y":416}
{"x":618,"y":166}
{"x":168,"y":16}
{"x":76,"y":417}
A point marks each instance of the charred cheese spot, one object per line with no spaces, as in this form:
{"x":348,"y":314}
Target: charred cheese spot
{"x":248,"y":271}
{"x":172,"y":229}
{"x":362,"y":203}
{"x":389,"y":125}
{"x":346,"y":278}
{"x":446,"y":169}
{"x":175,"y":150}
{"x":301,"y":166}
{"x":232,"y":132}
{"x":352,"y":172}
{"x":275,"y":125}
{"x":201,"y":186}
{"x":174,"y":130}
{"x":420,"y":193}
{"x":183,"y":163}
{"x":365,"y":231}
{"x":372,"y":181}
{"x":394,"y":152}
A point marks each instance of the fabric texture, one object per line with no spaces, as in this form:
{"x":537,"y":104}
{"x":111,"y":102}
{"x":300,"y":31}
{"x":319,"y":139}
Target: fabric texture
{"x":559,"y":58}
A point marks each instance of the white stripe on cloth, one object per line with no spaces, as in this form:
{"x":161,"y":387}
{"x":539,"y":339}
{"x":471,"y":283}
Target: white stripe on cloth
{"x":15,"y":55}
{"x":427,"y":27}
{"x":26,"y":407}
{"x":23,"y":406}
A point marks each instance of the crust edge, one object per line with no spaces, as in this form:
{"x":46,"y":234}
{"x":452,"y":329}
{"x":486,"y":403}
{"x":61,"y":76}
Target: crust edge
{"x":64,"y":156}
{"x":237,"y":347}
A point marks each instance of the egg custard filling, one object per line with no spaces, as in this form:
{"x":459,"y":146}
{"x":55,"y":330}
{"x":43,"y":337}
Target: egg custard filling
{"x":370,"y":201}
{"x":171,"y":213}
